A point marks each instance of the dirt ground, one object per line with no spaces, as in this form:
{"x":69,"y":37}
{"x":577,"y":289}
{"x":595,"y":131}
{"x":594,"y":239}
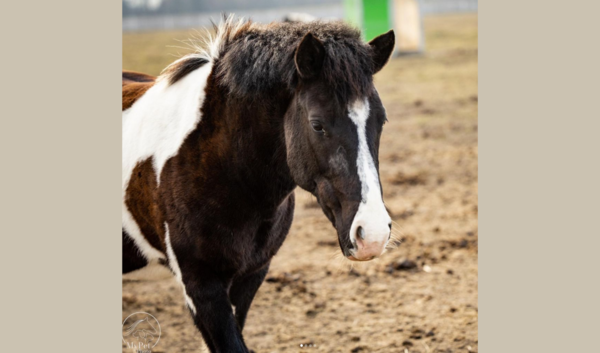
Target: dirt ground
{"x":418,"y":297}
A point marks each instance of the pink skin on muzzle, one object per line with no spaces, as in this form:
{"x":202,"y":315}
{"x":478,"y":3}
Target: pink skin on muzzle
{"x":367,"y":250}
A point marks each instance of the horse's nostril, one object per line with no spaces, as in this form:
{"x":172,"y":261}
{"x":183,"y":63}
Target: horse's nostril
{"x":348,"y":250}
{"x":361,"y":233}
{"x":390,"y":225}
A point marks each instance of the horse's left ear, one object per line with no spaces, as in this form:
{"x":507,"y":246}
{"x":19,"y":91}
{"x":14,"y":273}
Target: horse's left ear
{"x":309,"y":56}
{"x":383,"y":46}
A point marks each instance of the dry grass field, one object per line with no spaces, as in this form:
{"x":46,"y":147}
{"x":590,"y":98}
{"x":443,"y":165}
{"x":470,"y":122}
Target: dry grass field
{"x":418,"y":297}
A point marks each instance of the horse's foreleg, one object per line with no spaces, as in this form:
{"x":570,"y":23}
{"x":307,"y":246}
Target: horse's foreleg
{"x":242,"y":293}
{"x":212,"y":312}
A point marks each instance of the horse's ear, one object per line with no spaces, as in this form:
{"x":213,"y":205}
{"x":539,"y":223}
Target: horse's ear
{"x":383,"y":46}
{"x":309,"y":56}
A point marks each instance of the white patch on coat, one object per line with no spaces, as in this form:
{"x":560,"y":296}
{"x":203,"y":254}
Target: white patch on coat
{"x":133,"y":231}
{"x":371,"y":214}
{"x":156,"y":126}
{"x":176,"y":270}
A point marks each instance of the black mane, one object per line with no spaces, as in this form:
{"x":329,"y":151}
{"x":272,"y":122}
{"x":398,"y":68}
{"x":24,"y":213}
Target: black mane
{"x":254,"y":59}
{"x":261,"y":59}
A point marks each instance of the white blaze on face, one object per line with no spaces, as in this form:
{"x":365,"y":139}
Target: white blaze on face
{"x":371,"y":215}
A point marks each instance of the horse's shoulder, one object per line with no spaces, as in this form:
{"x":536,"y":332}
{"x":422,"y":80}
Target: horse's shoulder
{"x":135,"y":84}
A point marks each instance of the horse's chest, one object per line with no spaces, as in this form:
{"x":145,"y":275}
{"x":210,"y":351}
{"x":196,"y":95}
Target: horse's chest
{"x":270,"y":236}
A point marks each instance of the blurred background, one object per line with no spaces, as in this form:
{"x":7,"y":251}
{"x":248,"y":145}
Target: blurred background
{"x":418,"y":297}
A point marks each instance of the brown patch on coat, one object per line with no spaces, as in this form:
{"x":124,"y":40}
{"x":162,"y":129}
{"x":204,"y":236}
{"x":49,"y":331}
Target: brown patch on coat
{"x":141,"y":200}
{"x":132,"y":76}
{"x":135,"y":84}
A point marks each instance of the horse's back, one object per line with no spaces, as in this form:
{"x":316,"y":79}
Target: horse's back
{"x":135,"y":84}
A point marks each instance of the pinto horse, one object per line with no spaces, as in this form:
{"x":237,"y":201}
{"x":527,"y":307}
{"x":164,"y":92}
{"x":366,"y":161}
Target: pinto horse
{"x":214,"y":147}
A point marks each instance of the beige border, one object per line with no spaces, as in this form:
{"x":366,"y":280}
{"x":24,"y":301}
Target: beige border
{"x":539,"y":176}
{"x":60,"y":145}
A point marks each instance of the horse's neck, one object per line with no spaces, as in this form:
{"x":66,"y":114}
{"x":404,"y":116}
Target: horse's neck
{"x":263,"y":148}
{"x":251,"y":140}
{"x":195,"y":117}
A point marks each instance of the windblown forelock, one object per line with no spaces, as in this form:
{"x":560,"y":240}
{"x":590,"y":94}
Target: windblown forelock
{"x":259,"y":59}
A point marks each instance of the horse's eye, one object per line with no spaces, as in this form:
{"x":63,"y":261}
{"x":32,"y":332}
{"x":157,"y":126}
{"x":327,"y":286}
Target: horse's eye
{"x":317,"y":126}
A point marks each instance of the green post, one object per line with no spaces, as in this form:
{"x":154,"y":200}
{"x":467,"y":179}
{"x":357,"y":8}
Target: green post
{"x":371,"y":16}
{"x":375,"y":17}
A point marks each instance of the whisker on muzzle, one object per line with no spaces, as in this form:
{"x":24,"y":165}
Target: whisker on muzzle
{"x":397,"y":229}
{"x":393,"y":244}
{"x":397,"y":233}
{"x":340,"y":263}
